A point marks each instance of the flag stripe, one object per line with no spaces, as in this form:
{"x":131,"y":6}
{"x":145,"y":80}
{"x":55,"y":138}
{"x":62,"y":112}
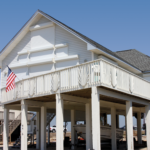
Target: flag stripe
{"x":10,"y":84}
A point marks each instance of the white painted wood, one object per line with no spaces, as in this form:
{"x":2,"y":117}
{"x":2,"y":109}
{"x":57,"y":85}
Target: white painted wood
{"x":43,"y":128}
{"x":113,"y":129}
{"x":62,"y":52}
{"x":59,"y":122}
{"x":95,"y":102}
{"x":72,"y":128}
{"x":147,"y":112}
{"x":41,"y":26}
{"x":129,"y":115}
{"x":37,"y":130}
{"x":75,"y":45}
{"x":80,"y":77}
{"x":24,"y":127}
{"x":139,"y":129}
{"x":63,"y":64}
{"x":88,"y":126}
{"x":43,"y":37}
{"x":5,"y":127}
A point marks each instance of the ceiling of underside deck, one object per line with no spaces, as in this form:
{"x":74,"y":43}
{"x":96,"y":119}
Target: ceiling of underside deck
{"x":85,"y":93}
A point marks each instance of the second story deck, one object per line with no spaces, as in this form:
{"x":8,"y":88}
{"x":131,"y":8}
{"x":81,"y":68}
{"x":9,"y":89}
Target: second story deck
{"x":95,"y":73}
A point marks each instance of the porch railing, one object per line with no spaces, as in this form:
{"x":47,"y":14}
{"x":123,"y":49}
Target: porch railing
{"x":98,"y":72}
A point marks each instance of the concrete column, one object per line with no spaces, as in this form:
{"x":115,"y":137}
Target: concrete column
{"x":48,"y":133}
{"x":113,"y":129}
{"x":139,"y":132}
{"x":43,"y":128}
{"x":72,"y":128}
{"x":59,"y":122}
{"x":95,"y":102}
{"x":147,"y":111}
{"x":24,"y":127}
{"x":5,"y":128}
{"x":37,"y":130}
{"x":88,"y":126}
{"x":129,"y":130}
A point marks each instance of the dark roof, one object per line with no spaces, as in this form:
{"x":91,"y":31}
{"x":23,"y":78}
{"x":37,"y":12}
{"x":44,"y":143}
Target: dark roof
{"x":97,"y":45}
{"x":136,"y":58}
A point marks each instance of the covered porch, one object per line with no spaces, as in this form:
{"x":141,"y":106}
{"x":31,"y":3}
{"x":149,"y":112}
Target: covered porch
{"x":94,"y":102}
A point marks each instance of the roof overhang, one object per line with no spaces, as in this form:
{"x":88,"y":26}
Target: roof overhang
{"x":118,"y":61}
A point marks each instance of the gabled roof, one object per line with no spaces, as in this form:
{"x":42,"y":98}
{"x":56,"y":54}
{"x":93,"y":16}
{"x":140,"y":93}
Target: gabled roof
{"x":81,"y":36}
{"x":136,"y":58}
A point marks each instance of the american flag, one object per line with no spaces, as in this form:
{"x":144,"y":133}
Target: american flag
{"x":10,"y":80}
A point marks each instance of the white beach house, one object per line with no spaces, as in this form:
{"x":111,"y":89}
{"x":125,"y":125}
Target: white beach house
{"x":61,"y":70}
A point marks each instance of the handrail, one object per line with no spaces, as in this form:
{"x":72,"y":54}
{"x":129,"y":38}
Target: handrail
{"x":101,"y":59}
{"x":98,"y":72}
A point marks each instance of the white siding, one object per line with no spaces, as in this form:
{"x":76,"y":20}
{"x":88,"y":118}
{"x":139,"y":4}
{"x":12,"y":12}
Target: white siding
{"x":23,"y":45}
{"x":76,"y":46}
{"x":42,"y":38}
{"x":60,"y":36}
{"x":40,"y":69}
{"x":64,"y":64}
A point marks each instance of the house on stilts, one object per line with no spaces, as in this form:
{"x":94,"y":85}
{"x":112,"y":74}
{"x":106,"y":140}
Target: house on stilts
{"x":66,"y":74}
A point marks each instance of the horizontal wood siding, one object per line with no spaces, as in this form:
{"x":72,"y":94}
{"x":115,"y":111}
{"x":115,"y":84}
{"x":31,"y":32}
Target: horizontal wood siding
{"x":76,"y":46}
{"x":23,"y":45}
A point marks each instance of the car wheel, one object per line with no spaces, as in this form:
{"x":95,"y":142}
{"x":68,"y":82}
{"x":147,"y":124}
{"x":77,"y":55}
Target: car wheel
{"x":53,"y":130}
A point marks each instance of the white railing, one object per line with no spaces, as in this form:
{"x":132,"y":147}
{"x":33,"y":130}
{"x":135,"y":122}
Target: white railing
{"x":98,"y":72}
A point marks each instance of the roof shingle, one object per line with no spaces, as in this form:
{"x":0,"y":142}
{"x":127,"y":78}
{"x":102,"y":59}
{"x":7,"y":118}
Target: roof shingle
{"x":135,"y":58}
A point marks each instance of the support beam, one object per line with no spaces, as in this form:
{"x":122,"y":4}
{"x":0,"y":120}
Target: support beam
{"x":139,"y":132}
{"x":72,"y":128}
{"x":43,"y":128}
{"x":5,"y":127}
{"x":95,"y":102}
{"x":148,"y":126}
{"x":129,"y":115}
{"x":113,"y":129}
{"x":117,"y":121}
{"x":37,"y":130}
{"x":75,"y":99}
{"x":59,"y":122}
{"x":121,"y":96}
{"x":88,"y":126}
{"x":24,"y":127}
{"x":48,"y":133}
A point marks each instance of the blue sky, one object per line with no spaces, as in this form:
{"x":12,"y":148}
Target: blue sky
{"x":117,"y":25}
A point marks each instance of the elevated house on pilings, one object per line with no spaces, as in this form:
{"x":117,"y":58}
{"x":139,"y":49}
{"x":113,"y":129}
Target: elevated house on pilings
{"x":63,"y":71}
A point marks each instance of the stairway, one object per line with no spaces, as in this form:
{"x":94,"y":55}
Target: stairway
{"x":12,"y":126}
{"x":49,"y":118}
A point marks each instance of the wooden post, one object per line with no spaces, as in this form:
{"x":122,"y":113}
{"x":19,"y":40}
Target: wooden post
{"x":72,"y":128}
{"x":5,"y":127}
{"x":88,"y":126}
{"x":139,"y":128}
{"x":129,"y":115}
{"x":113,"y":128}
{"x":95,"y":102}
{"x":37,"y":130}
{"x":24,"y":127}
{"x":59,"y":122}
{"x":43,"y":128}
{"x":148,"y":126}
